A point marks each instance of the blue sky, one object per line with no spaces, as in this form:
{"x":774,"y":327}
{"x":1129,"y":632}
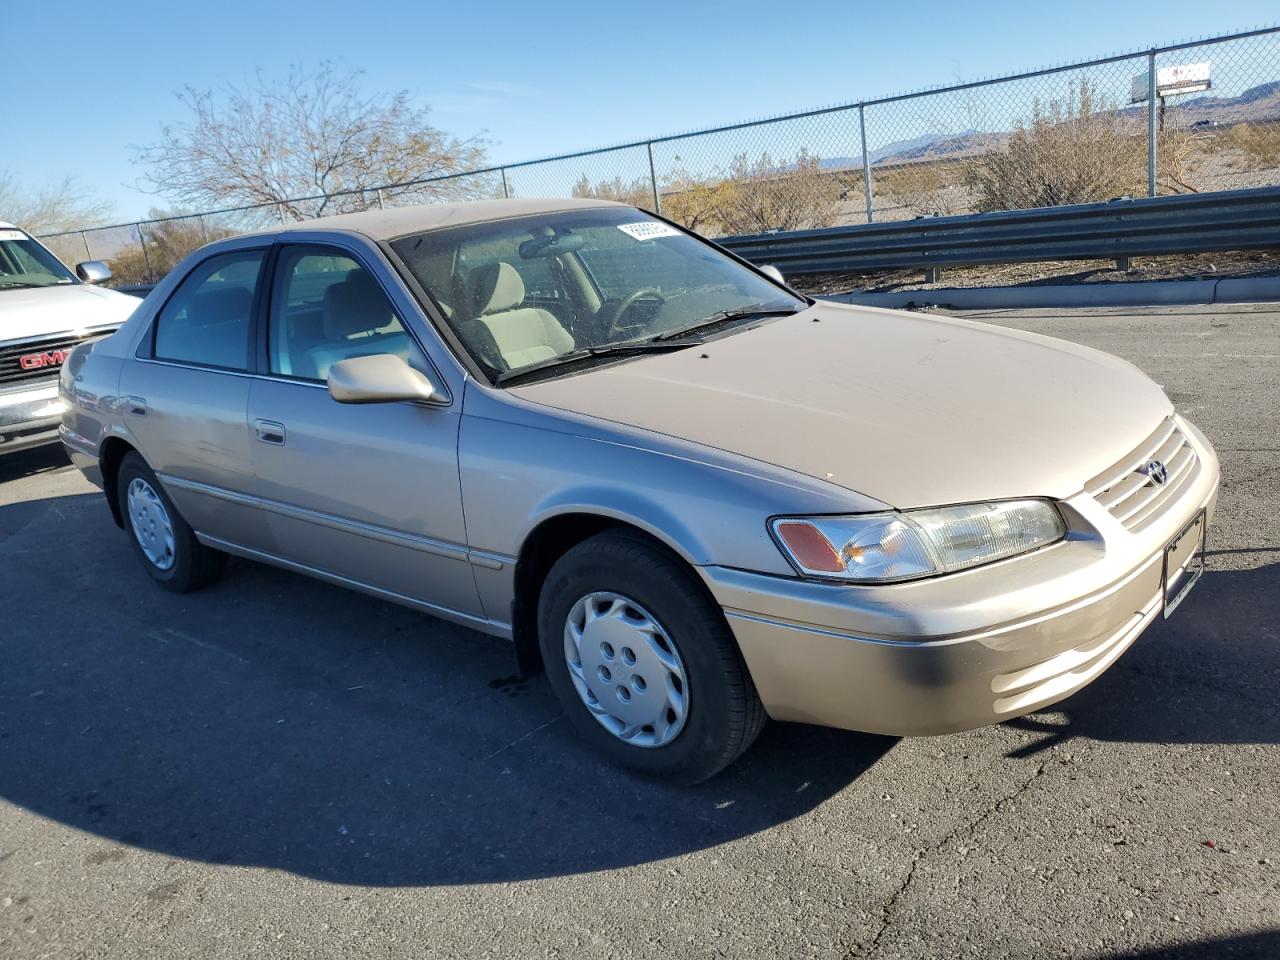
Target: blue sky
{"x":535,"y":78}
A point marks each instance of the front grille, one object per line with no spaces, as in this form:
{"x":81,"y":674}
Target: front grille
{"x":1132,"y":497}
{"x":48,"y":349}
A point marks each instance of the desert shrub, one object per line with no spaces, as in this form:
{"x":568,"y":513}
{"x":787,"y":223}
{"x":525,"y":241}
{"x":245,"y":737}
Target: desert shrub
{"x":780,"y":196}
{"x":750,"y":197}
{"x":699,"y":204}
{"x":638,"y":192}
{"x":1073,"y":151}
{"x":1259,"y":142}
{"x":935,"y":187}
{"x":168,"y":241}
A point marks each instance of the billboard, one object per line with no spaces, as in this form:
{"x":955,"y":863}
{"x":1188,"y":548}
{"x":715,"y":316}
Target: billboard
{"x":1171,"y":81}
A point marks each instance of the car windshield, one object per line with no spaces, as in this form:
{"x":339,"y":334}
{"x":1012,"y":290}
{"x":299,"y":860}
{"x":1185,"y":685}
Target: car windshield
{"x":24,"y":263}
{"x":524,"y":293}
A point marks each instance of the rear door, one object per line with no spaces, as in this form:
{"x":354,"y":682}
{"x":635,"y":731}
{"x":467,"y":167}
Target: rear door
{"x":368,"y":492}
{"x":186,"y":397}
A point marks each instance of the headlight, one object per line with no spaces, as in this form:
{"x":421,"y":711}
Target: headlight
{"x":886,"y":547}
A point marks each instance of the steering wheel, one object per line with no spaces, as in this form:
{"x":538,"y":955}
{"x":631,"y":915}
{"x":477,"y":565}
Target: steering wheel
{"x":629,"y":301}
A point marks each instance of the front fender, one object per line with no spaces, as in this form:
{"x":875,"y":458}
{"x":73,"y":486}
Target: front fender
{"x":708,"y":506}
{"x":627,"y":506}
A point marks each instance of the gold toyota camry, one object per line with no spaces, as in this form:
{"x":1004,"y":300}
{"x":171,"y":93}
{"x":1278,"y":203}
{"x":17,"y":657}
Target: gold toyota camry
{"x":693,"y":496}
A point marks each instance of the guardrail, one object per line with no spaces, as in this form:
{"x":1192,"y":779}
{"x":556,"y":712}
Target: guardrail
{"x":1118,"y":229}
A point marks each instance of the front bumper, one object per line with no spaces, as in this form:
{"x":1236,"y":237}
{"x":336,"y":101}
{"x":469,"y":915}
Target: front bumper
{"x":960,"y":651}
{"x":29,"y":416}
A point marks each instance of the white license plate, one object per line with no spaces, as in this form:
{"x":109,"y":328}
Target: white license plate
{"x":1184,"y":562}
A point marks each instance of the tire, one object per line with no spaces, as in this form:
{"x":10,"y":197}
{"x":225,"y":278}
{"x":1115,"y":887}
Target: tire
{"x":613,"y":586}
{"x":179,"y":562}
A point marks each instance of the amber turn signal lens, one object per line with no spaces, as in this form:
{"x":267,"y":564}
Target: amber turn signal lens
{"x":809,"y":546}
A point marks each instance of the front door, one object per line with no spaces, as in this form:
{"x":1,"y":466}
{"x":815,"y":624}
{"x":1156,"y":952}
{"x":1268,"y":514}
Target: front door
{"x":364,"y":492}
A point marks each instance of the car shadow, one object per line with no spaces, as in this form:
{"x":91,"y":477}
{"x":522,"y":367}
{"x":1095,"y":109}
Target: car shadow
{"x":1262,"y":945}
{"x":1208,"y":674}
{"x":28,"y":463}
{"x":279,"y":722}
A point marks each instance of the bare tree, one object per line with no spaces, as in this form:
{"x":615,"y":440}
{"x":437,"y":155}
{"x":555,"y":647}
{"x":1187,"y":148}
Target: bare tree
{"x":315,"y":133}
{"x":49,"y":209}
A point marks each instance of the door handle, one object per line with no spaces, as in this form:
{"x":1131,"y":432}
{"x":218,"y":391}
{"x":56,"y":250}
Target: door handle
{"x":269,"y":431}
{"x":138,"y":406}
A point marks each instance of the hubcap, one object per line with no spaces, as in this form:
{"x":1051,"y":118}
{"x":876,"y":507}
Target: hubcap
{"x":151,"y":524}
{"x":626,"y":669}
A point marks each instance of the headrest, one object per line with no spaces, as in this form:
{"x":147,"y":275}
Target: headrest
{"x":354,"y":305}
{"x":495,"y":287}
{"x":219,"y":306}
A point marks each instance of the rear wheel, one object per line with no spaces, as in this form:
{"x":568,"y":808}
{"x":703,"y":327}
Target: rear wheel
{"x":643,"y":662}
{"x":167,"y":546}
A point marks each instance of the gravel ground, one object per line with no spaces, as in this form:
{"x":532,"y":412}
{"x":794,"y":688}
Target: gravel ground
{"x":276,"y":768}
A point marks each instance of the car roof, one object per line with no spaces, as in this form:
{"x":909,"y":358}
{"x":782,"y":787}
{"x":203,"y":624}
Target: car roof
{"x":400,"y":221}
{"x":6,"y":225}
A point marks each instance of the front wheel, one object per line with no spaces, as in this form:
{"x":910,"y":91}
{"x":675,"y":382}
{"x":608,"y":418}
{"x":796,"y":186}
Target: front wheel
{"x":167,"y":546}
{"x":643,"y":662}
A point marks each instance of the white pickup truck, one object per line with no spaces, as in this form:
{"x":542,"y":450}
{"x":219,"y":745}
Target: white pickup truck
{"x":45,"y":310}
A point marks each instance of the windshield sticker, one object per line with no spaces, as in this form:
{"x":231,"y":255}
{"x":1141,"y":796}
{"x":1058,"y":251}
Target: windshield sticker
{"x":648,"y":230}
{"x":12,"y":235}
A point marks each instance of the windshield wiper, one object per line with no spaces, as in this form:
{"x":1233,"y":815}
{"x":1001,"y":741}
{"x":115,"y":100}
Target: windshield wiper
{"x":18,"y":284}
{"x":626,"y":348}
{"x":735,"y":313}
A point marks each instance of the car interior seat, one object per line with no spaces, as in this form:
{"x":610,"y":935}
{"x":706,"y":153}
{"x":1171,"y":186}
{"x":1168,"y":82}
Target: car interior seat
{"x":523,"y":335}
{"x":355,"y":315}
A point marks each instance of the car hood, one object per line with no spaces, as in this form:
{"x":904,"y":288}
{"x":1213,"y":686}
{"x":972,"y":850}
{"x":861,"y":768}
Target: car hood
{"x":27,"y":312}
{"x":911,"y":409}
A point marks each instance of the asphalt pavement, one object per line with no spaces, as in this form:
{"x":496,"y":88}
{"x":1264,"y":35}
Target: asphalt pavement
{"x":279,"y":768}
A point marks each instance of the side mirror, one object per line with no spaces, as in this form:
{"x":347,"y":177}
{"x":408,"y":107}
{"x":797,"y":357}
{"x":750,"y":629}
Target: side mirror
{"x":378,"y":378}
{"x":93,"y":271}
{"x":773,"y":273}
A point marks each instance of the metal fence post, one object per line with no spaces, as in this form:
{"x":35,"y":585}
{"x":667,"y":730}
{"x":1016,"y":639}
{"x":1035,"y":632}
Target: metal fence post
{"x":653,"y":181}
{"x":506,"y":187}
{"x":85,"y":240}
{"x":1151,"y":124}
{"x":381,"y":206}
{"x":204,"y":228}
{"x":146,"y":258}
{"x":866,"y":161}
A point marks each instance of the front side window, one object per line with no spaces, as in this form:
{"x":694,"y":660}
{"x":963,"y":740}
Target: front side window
{"x":326,"y":307}
{"x":206,"y":321}
{"x":24,"y":263}
{"x":524,"y":292}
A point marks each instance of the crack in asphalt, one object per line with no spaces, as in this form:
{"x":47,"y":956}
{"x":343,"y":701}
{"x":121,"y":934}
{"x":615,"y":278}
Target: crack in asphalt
{"x":966,"y":829}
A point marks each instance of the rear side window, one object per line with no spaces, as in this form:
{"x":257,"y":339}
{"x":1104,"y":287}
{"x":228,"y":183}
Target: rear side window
{"x":206,"y":321}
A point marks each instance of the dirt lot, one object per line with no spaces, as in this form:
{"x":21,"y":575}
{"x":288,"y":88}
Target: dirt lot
{"x":1214,"y":266}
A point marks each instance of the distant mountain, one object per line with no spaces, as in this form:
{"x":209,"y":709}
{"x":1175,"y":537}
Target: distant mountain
{"x":1257,"y":104}
{"x":916,"y":146}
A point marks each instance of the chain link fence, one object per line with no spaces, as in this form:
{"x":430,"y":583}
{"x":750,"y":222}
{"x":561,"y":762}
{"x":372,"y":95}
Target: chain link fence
{"x":1075,"y":133}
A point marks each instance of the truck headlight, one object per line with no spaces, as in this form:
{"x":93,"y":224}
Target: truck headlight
{"x":887,"y":547}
